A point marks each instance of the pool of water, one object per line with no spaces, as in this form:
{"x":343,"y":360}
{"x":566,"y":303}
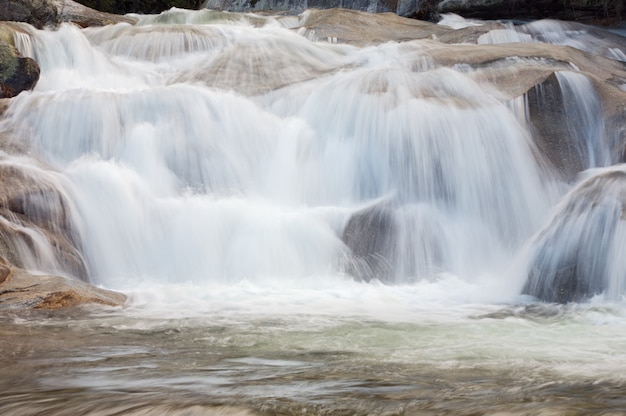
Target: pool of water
{"x":462,"y":360}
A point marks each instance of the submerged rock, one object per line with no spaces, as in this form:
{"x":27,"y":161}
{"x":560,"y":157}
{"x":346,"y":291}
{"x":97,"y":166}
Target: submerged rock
{"x":581,"y":252}
{"x":371,"y":236}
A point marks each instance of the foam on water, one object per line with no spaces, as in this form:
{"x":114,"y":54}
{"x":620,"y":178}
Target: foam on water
{"x":218,"y":150}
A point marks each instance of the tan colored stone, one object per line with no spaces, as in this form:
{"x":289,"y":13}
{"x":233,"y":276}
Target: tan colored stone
{"x":361,"y":28}
{"x":23,"y":290}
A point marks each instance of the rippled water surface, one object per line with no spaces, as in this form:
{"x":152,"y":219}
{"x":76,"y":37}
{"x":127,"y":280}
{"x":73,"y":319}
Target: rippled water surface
{"x":527,"y":359}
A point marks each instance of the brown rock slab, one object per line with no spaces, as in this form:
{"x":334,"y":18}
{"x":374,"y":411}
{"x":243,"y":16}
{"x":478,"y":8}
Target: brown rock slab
{"x":22,"y":290}
{"x":362,"y":28}
{"x":73,"y":12}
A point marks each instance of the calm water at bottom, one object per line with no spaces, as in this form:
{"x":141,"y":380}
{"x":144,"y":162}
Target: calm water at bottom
{"x":497,"y":360}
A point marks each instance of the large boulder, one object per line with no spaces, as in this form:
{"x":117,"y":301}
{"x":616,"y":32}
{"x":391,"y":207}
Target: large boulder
{"x":360,"y":28}
{"x":72,"y":12}
{"x":42,"y":13}
{"x":35,"y":229}
{"x":34,"y":219}
{"x":575,"y":134}
{"x":371,"y":236}
{"x":38,"y":13}
{"x":579,"y":254}
{"x":550,"y":122}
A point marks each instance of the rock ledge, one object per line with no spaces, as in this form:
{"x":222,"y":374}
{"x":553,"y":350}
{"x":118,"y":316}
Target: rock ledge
{"x":22,"y":290}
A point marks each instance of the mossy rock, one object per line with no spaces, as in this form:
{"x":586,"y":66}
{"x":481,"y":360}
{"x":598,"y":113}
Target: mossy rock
{"x":17,"y":73}
{"x":8,"y":61}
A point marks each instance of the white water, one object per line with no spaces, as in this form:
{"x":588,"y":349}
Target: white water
{"x":183,"y":181}
{"x":176,"y":178}
{"x":214,"y":163}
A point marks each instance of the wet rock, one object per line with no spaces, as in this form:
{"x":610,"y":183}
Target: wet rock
{"x":17,"y":73}
{"x":371,"y":236}
{"x":4,"y":104}
{"x":20,"y":290}
{"x":560,"y":125}
{"x":33,"y":208}
{"x":579,"y":254}
{"x":38,"y":13}
{"x":551,"y":134}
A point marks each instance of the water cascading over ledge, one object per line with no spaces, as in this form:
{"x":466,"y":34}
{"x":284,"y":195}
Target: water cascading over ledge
{"x":225,"y":151}
{"x":580,"y":253}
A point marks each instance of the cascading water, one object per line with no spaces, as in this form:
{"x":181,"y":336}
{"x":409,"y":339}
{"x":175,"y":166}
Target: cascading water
{"x":212,"y":177}
{"x":375,"y":223}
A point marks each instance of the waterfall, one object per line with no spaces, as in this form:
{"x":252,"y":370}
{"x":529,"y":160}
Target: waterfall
{"x":209,"y":148}
{"x":583,"y":112}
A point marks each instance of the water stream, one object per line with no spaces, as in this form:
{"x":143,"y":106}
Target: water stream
{"x":305,"y":227}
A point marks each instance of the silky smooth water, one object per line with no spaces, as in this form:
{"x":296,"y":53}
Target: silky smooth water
{"x":212,"y":165}
{"x":456,"y":360}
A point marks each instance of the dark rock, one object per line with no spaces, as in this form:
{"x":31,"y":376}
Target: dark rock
{"x":17,"y":73}
{"x":38,"y":13}
{"x":581,"y":10}
{"x":25,"y":76}
{"x":371,"y":236}
{"x":551,"y":134}
{"x":42,"y":13}
{"x":298,"y":6}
